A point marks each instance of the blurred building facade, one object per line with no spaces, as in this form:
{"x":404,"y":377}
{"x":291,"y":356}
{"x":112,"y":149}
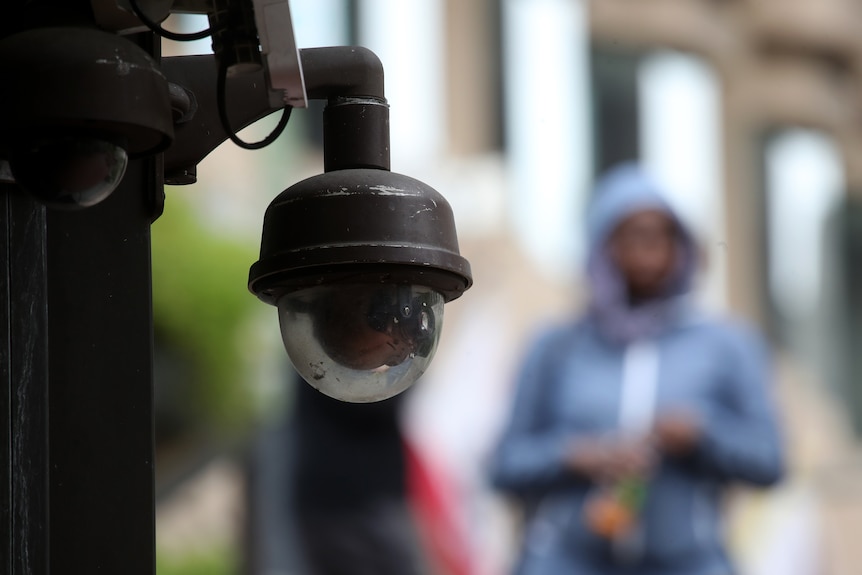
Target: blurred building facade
{"x":781,"y":69}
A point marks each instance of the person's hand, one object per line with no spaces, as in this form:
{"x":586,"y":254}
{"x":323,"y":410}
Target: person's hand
{"x":677,"y":433}
{"x":609,"y":459}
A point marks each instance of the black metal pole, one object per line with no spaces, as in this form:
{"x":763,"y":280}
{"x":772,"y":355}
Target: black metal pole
{"x":102,"y":517}
{"x":24,"y":395}
{"x":76,"y":380}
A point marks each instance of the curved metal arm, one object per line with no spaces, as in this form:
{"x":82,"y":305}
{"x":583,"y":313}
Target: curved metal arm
{"x":248,"y":100}
{"x":349,"y":71}
{"x":337,"y":73}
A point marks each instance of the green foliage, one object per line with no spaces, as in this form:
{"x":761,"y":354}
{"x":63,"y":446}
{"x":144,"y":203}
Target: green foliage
{"x":200,"y":305}
{"x":217,"y":561}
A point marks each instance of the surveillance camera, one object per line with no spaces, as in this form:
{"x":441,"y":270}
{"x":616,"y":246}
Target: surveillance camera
{"x":68,"y":171}
{"x":85,"y":102}
{"x":359,"y":263}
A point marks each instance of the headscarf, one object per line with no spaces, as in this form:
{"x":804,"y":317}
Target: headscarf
{"x":621,"y":192}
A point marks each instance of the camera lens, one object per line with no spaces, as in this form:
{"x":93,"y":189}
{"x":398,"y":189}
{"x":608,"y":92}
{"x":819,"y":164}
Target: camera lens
{"x":362,"y":342}
{"x":67,"y":171}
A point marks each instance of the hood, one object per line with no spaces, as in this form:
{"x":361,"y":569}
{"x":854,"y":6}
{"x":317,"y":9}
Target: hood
{"x":622,"y":191}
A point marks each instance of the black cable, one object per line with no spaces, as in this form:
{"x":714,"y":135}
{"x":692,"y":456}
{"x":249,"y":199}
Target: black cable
{"x":225,"y":123}
{"x":222,"y":75}
{"x":155,"y":27}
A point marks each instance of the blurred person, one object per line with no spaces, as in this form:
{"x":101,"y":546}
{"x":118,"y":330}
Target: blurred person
{"x":629,"y":423}
{"x":350,"y":495}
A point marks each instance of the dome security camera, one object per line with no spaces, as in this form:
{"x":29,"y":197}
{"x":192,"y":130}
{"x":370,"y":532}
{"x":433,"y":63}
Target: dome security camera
{"x":358,"y":260}
{"x":89,"y":101}
{"x":359,"y":263}
{"x":69,"y":171}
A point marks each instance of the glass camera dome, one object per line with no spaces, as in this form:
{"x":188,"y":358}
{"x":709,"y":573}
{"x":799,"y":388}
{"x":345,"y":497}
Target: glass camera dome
{"x":362,"y":342}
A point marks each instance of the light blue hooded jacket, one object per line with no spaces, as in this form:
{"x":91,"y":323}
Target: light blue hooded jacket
{"x":577,"y":381}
